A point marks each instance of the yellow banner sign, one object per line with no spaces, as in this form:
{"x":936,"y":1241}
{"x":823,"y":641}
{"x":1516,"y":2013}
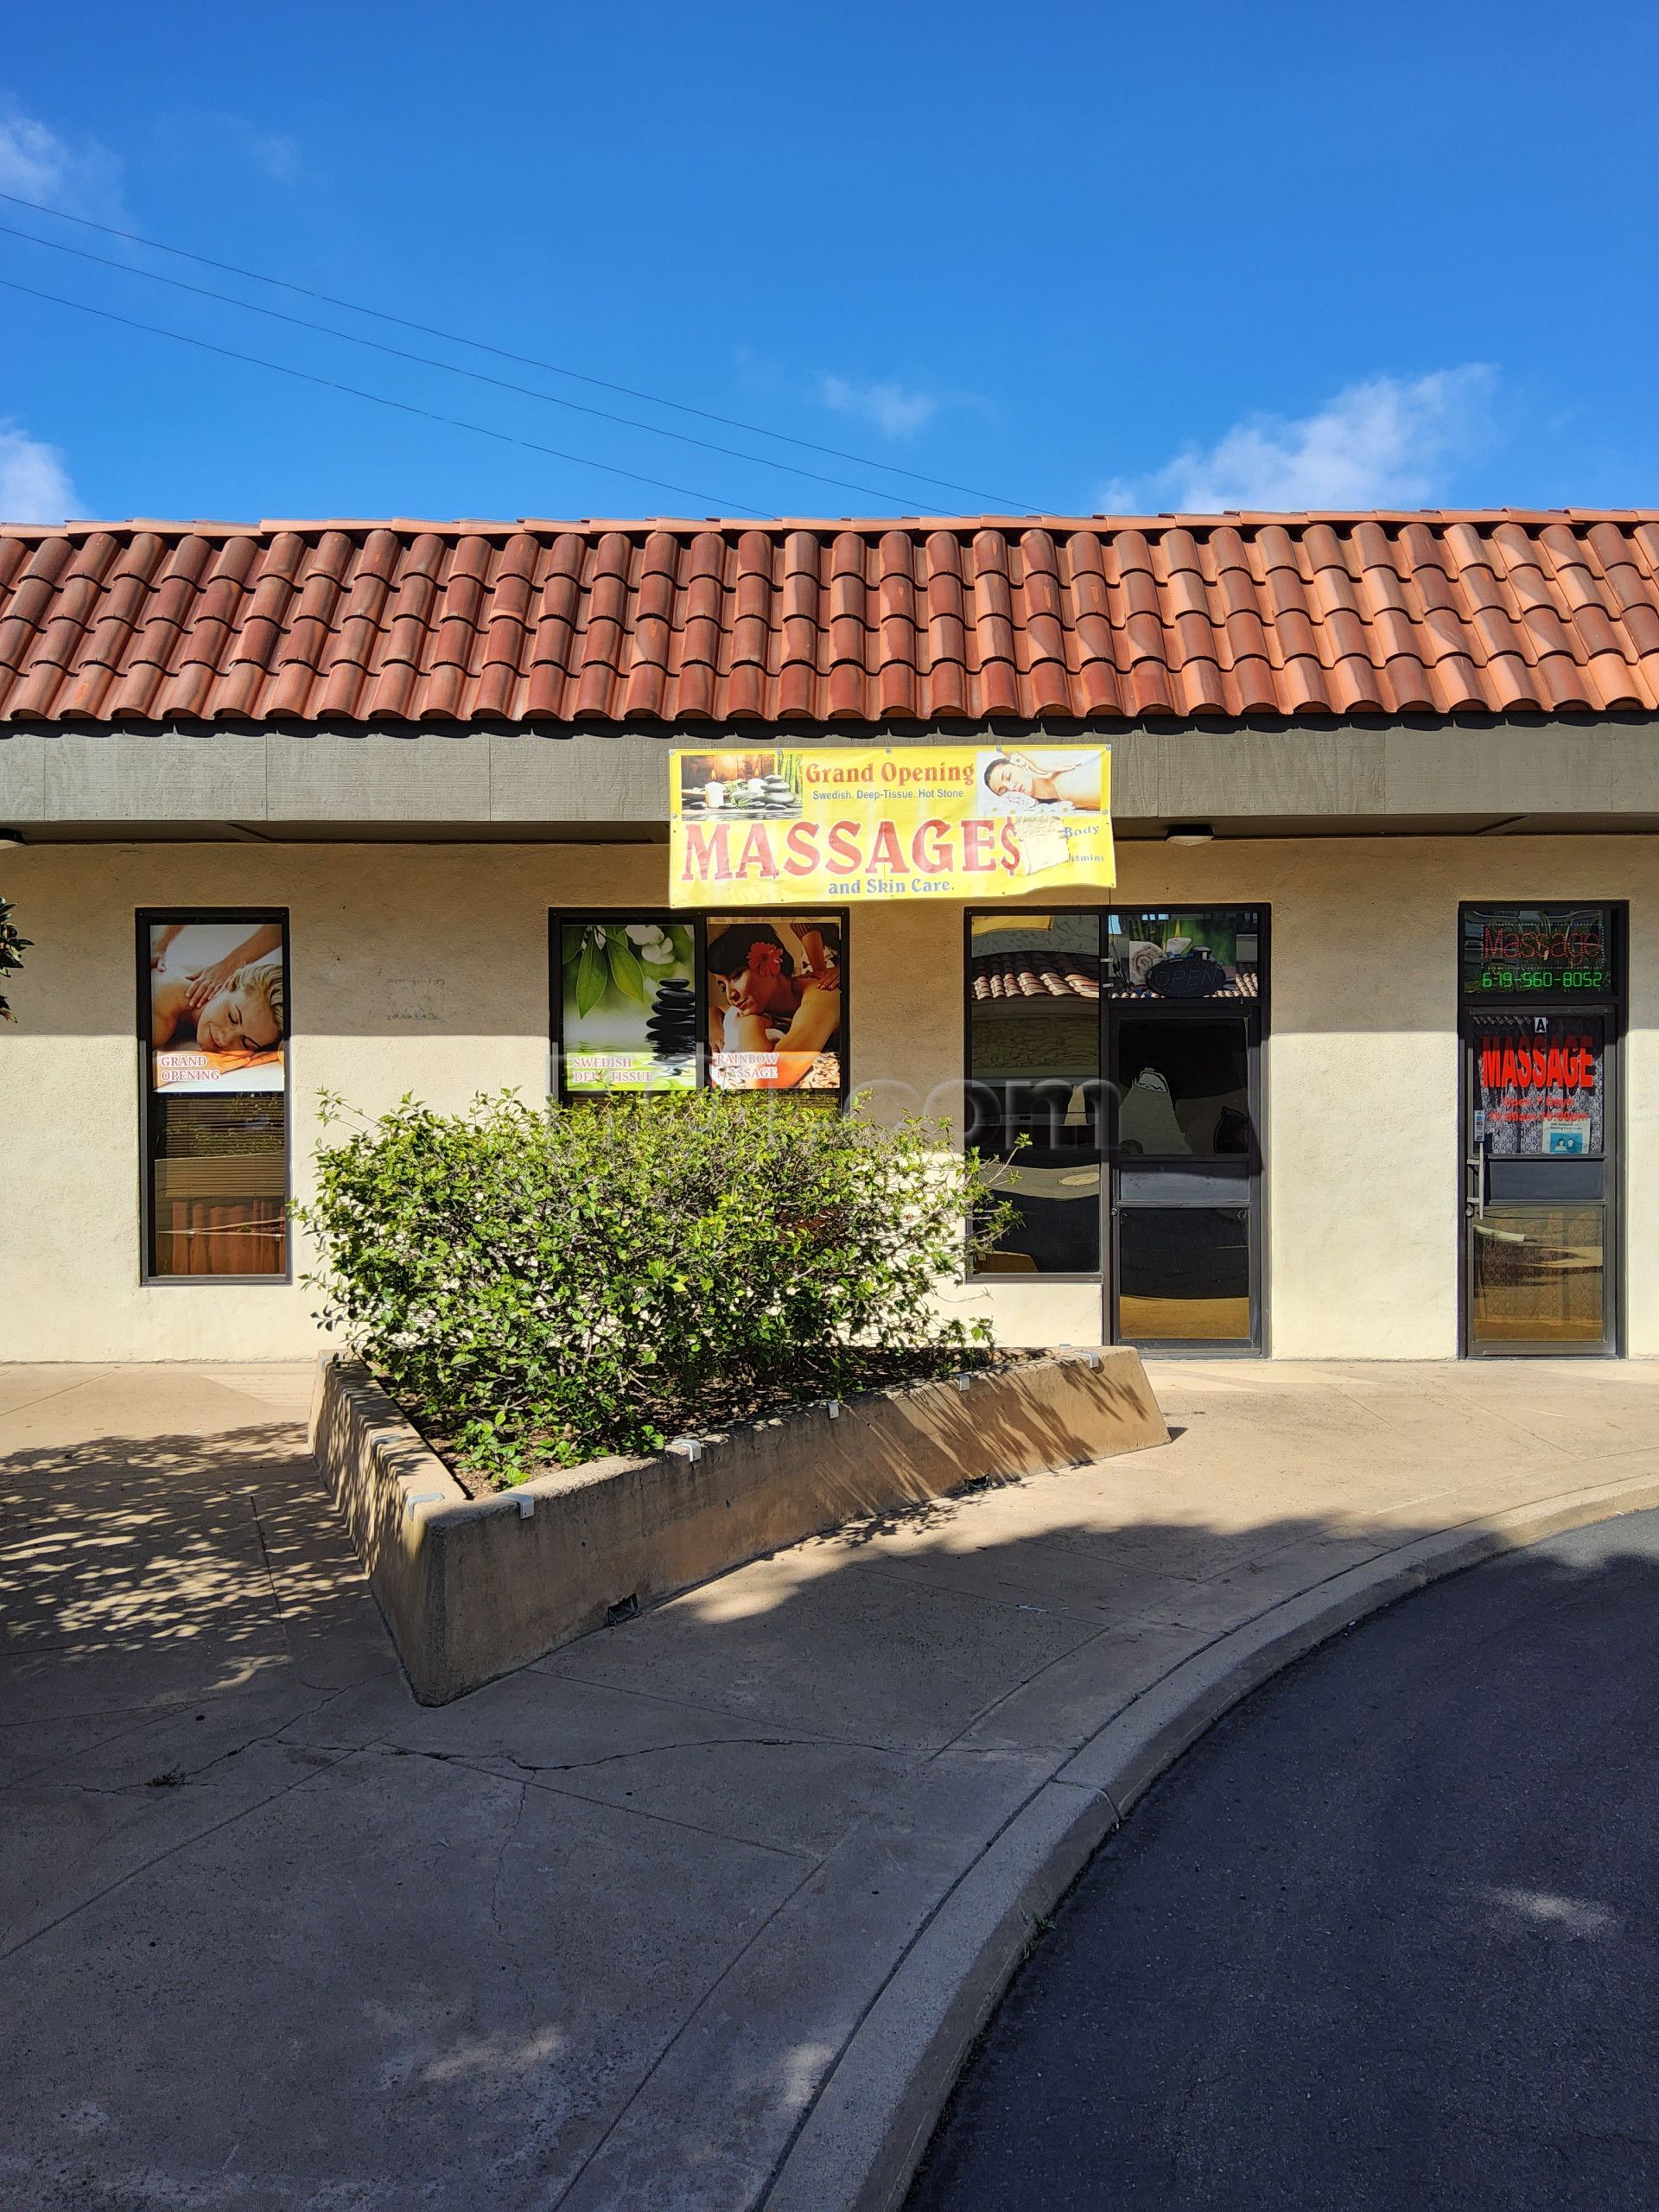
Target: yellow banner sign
{"x":802,"y":825}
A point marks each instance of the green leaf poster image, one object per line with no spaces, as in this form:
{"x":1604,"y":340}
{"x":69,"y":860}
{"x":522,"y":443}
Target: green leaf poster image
{"x":629,"y":1007}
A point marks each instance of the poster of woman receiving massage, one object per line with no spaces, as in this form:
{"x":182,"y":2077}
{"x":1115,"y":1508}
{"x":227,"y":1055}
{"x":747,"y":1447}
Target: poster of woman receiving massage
{"x":774,"y":1005}
{"x":217,"y":1007}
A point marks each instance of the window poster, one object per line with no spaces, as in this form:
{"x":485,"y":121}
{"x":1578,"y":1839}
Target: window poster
{"x":1200,"y":954}
{"x":217,"y":1008}
{"x":775,"y":1004}
{"x":1538,"y":1086}
{"x":628,"y":1000}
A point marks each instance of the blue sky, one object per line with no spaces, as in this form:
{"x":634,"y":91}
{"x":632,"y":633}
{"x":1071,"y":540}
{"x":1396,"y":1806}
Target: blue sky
{"x":1071,"y":258}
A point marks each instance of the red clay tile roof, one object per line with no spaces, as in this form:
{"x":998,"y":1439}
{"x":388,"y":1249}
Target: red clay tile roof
{"x":617,"y":623}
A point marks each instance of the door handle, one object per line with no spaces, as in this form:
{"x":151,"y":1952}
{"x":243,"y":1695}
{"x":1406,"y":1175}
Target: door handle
{"x":1474,"y":1196}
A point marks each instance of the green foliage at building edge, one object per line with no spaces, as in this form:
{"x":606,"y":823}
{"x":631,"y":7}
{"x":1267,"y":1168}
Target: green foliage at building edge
{"x":12,"y":948}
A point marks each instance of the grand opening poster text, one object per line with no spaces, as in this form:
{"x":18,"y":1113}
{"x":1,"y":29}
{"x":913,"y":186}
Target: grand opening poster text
{"x":796,"y":826}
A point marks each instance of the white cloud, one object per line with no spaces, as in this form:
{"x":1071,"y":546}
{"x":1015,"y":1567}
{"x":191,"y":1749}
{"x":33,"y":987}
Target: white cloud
{"x":1388,"y":443}
{"x":895,"y":412}
{"x":272,"y":154}
{"x":37,"y":164}
{"x":34,"y":161}
{"x":34,"y":485}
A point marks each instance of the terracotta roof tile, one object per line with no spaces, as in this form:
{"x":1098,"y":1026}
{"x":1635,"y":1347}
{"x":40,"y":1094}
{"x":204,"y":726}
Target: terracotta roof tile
{"x":1035,"y":975}
{"x":676,"y":623}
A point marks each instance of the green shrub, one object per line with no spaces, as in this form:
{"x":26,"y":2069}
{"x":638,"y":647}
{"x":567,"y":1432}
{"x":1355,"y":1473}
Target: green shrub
{"x":540,"y":1284}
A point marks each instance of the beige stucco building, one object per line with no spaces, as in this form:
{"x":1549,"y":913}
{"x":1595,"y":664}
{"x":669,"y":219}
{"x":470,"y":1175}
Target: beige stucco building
{"x":1388,"y":893}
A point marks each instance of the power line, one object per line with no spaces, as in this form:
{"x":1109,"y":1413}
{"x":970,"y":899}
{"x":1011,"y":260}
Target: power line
{"x":377,"y":398}
{"x":523,"y":360}
{"x":428,"y":361}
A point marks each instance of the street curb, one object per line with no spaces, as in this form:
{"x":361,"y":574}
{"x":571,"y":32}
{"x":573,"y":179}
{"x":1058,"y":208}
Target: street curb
{"x":858,"y":2149}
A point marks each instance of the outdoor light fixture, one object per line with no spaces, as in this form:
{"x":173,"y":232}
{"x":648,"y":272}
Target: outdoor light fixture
{"x":1188,"y":833}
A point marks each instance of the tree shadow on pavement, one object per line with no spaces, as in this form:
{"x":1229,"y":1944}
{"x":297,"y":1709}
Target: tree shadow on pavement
{"x":165,"y":1566}
{"x":594,"y":1935}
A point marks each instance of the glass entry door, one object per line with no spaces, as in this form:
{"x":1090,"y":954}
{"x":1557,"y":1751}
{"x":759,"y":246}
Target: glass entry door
{"x":1540,"y":1122}
{"x":1182,"y":1055}
{"x":1538,"y":1222}
{"x":1113,"y":1064}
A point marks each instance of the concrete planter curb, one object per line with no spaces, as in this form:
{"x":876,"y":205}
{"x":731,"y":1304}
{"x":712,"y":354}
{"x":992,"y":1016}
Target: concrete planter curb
{"x":471,"y":1588}
{"x":858,"y":2148}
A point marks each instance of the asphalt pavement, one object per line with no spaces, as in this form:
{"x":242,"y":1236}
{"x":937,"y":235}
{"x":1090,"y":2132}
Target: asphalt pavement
{"x":1387,"y":1937}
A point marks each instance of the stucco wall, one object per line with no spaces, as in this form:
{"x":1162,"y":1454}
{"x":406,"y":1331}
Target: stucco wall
{"x":423,"y":968}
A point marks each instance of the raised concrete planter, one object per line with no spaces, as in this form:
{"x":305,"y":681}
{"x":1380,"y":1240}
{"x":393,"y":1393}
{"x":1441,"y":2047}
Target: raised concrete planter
{"x":473,"y":1586}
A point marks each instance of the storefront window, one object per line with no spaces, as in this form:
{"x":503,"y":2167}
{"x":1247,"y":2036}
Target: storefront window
{"x":1157,"y":954}
{"x":1033,"y":1069}
{"x":655,"y":1002}
{"x":1539,"y":1091}
{"x":215,"y":1013}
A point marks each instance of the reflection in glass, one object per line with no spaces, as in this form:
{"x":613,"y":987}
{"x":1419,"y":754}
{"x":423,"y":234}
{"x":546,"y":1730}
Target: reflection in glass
{"x":1184,"y":1274}
{"x":1539,"y":1274}
{"x":1200,"y":953}
{"x":1182,"y":1089}
{"x":1033,"y":1065}
{"x":218,"y":1201}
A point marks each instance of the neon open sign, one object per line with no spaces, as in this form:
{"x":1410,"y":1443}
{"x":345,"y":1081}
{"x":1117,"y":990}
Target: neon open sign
{"x":1529,"y":951}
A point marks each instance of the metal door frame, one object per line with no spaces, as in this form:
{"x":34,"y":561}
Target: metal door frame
{"x":1255,"y":1014}
{"x":1611,"y":1011}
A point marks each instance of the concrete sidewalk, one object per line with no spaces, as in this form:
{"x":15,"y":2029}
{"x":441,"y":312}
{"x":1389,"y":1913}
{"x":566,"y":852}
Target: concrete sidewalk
{"x":693,"y":1913}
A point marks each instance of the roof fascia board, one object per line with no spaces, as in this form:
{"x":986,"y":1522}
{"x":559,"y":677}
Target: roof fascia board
{"x":497,"y":779}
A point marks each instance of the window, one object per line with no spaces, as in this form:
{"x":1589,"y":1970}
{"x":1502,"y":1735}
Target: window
{"x":1538,"y":1277}
{"x":654,"y":1002}
{"x":1156,"y":954}
{"x":1183,"y":1088}
{"x":214,"y":1022}
{"x":1033,"y":1073}
{"x":1184,"y":1274}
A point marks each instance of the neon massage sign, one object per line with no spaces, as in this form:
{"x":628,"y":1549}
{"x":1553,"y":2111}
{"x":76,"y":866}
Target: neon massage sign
{"x":1534,"y":950}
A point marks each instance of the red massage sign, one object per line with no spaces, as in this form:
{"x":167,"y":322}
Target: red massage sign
{"x":1538,"y":1083}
